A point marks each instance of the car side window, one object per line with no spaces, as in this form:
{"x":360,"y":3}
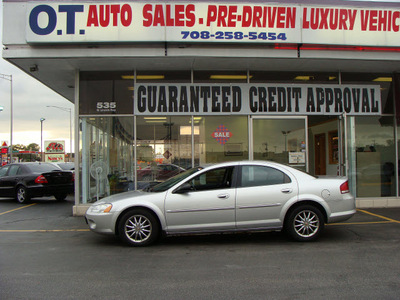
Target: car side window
{"x":260,"y":175}
{"x":13,"y":170}
{"x":3,"y":170}
{"x":214,"y":179}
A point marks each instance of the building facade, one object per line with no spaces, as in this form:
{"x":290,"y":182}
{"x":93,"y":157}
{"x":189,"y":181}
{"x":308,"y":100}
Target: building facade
{"x":162,"y":86}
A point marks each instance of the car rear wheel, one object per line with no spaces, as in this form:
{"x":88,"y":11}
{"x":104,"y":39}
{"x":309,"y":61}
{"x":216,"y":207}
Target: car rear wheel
{"x":138,"y":228}
{"x":22,"y":195}
{"x":60,"y":197}
{"x":305,"y":223}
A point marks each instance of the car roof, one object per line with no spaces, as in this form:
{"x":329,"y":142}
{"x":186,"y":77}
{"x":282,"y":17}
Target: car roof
{"x":244,"y":162}
{"x":255,"y":162}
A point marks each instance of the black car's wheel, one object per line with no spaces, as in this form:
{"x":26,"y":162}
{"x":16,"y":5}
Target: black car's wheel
{"x":138,"y":228}
{"x":60,"y":197}
{"x":22,"y":195}
{"x":305,"y":223}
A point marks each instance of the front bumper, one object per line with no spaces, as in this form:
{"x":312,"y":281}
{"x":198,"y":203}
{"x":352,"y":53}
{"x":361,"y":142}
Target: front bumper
{"x":101,"y":223}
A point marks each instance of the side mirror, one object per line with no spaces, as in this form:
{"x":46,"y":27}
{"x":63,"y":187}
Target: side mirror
{"x":184,"y":188}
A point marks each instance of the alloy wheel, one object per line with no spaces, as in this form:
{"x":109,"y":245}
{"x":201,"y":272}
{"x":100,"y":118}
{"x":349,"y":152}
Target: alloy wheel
{"x":138,"y":228}
{"x":306,"y":223}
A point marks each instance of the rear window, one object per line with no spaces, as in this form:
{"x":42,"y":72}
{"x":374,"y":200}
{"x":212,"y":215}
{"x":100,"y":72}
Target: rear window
{"x":66,"y":166}
{"x":41,"y":168}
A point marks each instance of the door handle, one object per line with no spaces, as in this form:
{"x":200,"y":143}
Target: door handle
{"x":287,"y":191}
{"x":223,"y":196}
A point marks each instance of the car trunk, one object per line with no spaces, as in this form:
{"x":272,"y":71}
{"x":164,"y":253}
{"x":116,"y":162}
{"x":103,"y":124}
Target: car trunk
{"x":58,"y":177}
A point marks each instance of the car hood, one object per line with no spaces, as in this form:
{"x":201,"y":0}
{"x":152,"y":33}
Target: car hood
{"x":126,"y":196}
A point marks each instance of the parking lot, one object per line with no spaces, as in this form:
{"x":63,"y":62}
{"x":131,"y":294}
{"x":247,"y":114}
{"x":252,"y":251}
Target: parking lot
{"x":46,"y":253}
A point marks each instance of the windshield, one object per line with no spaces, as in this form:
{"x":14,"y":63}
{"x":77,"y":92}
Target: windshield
{"x":162,"y":187}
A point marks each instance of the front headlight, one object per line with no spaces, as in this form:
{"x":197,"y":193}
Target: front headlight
{"x":101,"y":208}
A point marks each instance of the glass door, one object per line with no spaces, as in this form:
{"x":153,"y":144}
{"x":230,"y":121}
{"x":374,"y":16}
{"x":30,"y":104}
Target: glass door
{"x":280,"y":139}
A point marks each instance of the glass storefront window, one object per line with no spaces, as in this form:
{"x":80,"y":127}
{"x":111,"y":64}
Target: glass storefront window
{"x":375,"y":157}
{"x":220,"y":138}
{"x":323,"y":140}
{"x":383,"y":80}
{"x":168,"y":145}
{"x":107,"y":157}
{"x":280,"y":140}
{"x":294,"y":77}
{"x":162,"y":76}
{"x":164,"y":148}
{"x":220,"y":76}
{"x":106,"y":93}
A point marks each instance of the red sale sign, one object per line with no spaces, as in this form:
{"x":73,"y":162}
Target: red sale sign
{"x":221,"y":134}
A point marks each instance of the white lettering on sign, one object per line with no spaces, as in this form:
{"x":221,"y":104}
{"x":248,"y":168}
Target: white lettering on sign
{"x":162,"y":99}
{"x":52,"y":22}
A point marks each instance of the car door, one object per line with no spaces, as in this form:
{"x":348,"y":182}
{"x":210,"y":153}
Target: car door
{"x":208,"y":205}
{"x":262,"y":191}
{"x":10,"y":180}
{"x":4,"y":192}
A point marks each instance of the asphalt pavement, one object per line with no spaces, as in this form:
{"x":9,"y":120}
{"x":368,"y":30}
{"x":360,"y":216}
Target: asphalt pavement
{"x":46,"y":253}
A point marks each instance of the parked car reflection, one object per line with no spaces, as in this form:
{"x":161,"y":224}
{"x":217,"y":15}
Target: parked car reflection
{"x":160,"y":172}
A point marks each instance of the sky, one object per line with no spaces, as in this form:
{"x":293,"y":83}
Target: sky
{"x":30,"y":98}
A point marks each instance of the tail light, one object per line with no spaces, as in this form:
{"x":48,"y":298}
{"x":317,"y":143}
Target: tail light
{"x":344,"y":188}
{"x":73,"y":177}
{"x":41,"y":179}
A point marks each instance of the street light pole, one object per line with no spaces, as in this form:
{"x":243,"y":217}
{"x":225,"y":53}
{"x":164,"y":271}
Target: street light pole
{"x":70,"y":127}
{"x":9,"y":78}
{"x":41,"y":136}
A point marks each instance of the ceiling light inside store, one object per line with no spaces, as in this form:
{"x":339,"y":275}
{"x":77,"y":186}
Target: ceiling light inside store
{"x":305,"y":78}
{"x":332,"y":77}
{"x":187,"y":130}
{"x":155,"y":119}
{"x":143,"y":77}
{"x":230,"y":77}
{"x":196,"y":120}
{"x":383,"y":79}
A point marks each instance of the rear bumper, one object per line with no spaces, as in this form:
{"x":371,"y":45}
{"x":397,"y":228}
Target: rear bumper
{"x":40,"y":191}
{"x":341,"y":216}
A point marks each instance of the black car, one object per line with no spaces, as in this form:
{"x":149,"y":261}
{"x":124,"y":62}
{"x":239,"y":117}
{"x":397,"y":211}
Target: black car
{"x":31,"y":179}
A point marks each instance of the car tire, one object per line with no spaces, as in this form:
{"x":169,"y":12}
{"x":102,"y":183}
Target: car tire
{"x":138,"y":228}
{"x":22,"y":195}
{"x":305,"y":223}
{"x":60,"y":197}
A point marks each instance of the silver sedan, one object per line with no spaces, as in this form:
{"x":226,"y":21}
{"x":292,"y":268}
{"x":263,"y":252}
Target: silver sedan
{"x":226,"y":197}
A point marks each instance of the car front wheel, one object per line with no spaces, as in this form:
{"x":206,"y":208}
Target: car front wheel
{"x":22,"y":195}
{"x":138,"y":228}
{"x":305,"y":223}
